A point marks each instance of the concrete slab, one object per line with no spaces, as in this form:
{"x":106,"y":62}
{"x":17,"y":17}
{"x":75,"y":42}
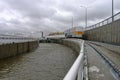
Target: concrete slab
{"x":114,"y":57}
{"x":98,"y":69}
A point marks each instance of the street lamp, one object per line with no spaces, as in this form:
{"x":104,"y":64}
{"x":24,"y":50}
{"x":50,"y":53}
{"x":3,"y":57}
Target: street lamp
{"x":85,"y":15}
{"x":112,"y":10}
{"x":72,"y":21}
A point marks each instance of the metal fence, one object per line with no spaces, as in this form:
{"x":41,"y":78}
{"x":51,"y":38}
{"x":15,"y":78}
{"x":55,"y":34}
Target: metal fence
{"x":104,"y":22}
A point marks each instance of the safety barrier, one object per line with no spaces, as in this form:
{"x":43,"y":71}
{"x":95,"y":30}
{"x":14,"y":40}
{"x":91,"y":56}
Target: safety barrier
{"x":12,"y":49}
{"x":107,"y":31}
{"x":105,"y":22}
{"x":77,"y":67}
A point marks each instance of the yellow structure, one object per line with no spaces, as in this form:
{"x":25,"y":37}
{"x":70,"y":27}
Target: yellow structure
{"x":78,"y":32}
{"x":56,"y":33}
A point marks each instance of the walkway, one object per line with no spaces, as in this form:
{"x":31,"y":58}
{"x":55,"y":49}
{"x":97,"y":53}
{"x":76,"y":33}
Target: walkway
{"x":98,"y":68}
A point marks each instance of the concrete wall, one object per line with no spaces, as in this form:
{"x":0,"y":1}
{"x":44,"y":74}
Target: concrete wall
{"x":75,"y":45}
{"x":8,"y":50}
{"x":109,"y":33}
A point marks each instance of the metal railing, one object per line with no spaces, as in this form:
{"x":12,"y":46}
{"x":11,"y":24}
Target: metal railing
{"x":77,"y":68}
{"x":104,"y":22}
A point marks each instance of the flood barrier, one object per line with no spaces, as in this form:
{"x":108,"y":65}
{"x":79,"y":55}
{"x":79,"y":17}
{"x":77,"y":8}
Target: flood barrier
{"x":12,"y":49}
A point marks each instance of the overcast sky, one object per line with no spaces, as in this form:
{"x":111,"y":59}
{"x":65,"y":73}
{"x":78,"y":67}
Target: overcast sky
{"x":51,"y":15}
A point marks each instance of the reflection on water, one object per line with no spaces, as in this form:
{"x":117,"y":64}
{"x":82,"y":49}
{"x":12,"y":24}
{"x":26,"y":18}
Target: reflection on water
{"x":49,"y":62}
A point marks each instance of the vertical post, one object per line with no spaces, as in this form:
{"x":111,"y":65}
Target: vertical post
{"x":72,"y":21}
{"x":28,"y":50}
{"x":42,"y":34}
{"x":72,"y":30}
{"x":86,"y":16}
{"x":112,"y":18}
{"x":112,"y":10}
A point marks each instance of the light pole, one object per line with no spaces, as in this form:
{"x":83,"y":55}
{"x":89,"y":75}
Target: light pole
{"x":85,"y":15}
{"x":72,"y":21}
{"x":112,"y":10}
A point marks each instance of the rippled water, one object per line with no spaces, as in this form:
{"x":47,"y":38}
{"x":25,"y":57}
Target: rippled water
{"x":49,"y":62}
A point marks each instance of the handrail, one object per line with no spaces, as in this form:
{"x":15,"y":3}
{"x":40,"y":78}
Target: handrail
{"x":104,"y":22}
{"x":73,"y":72}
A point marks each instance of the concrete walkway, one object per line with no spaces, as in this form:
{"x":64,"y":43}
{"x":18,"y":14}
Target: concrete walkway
{"x":113,"y":56}
{"x":98,"y":69}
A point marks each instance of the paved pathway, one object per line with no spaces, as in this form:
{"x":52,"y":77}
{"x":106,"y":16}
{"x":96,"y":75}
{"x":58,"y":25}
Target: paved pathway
{"x":98,"y":69}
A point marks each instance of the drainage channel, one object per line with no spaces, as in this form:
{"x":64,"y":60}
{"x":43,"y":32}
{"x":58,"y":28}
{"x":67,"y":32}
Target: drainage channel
{"x":49,"y":61}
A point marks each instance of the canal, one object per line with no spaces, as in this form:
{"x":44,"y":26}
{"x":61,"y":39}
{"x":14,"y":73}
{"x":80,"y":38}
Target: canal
{"x":49,"y":62}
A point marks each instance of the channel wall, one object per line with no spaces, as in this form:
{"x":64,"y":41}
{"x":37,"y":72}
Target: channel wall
{"x":12,"y":49}
{"x":72,"y":43}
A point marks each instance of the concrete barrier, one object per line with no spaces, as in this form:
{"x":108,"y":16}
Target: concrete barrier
{"x":4,"y":53}
{"x":12,"y":49}
{"x":19,"y":48}
{"x":109,"y":33}
{"x":72,"y":43}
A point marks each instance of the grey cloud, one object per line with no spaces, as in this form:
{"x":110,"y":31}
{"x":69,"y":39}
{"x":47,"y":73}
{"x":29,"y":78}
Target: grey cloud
{"x":34,"y":9}
{"x":53,"y":15}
